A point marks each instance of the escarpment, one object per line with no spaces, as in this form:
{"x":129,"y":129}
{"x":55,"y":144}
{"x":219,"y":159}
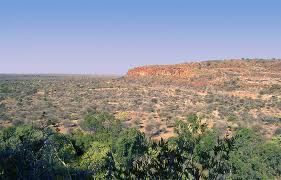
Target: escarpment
{"x":255,"y":72}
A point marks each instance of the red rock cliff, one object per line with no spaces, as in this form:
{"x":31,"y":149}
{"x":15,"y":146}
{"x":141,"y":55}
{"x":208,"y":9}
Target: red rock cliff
{"x":210,"y":71}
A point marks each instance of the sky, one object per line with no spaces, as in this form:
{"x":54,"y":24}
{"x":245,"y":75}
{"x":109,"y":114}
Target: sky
{"x":111,"y":36}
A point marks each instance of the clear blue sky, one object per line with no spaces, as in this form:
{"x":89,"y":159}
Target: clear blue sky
{"x":110,"y":36}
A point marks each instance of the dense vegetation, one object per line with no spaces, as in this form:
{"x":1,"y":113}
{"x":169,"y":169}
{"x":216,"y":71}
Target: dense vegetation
{"x":104,"y":149}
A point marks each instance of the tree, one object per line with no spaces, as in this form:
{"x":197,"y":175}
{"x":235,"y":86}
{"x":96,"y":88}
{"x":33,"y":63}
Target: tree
{"x":95,"y":159}
{"x":28,"y":152}
{"x":244,"y":159}
{"x":130,"y":145}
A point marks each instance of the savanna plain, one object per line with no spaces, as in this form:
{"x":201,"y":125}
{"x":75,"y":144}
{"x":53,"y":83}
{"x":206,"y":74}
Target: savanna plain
{"x":218,"y":119}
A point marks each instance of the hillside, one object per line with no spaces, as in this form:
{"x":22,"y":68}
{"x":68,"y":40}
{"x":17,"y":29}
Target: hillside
{"x":230,"y":93}
{"x":254,"y":73}
{"x":226,"y":94}
{"x":215,"y":119}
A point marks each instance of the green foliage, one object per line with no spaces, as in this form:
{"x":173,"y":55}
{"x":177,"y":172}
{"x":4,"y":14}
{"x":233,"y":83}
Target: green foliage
{"x":60,"y":146}
{"x":104,"y":126}
{"x":28,"y":152}
{"x":5,"y":89}
{"x":31,"y":153}
{"x":161,"y":161}
{"x":100,"y":121}
{"x":2,"y":111}
{"x":277,"y":139}
{"x":204,"y":153}
{"x":81,"y":141}
{"x":94,"y":160}
{"x":251,"y":157}
{"x":96,"y":121}
{"x":130,"y":144}
{"x":270,"y":154}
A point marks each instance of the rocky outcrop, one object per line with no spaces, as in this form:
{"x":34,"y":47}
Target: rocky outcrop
{"x":207,"y":72}
{"x":179,"y":71}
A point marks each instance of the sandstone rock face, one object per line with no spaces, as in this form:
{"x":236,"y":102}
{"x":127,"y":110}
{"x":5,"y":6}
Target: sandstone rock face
{"x":179,"y":71}
{"x":211,"y":72}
